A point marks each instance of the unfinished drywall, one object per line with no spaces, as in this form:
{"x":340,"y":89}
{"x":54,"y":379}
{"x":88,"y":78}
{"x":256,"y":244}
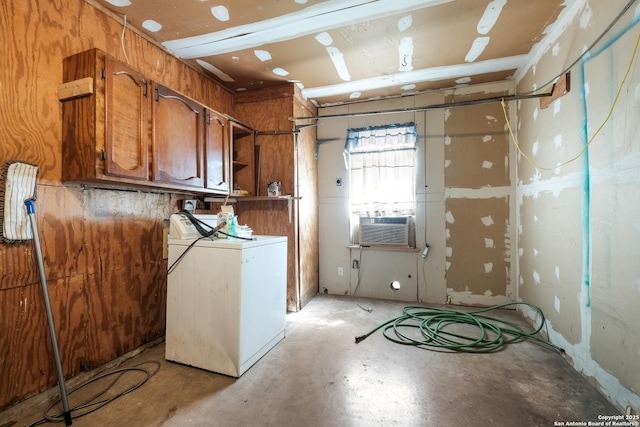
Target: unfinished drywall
{"x":478,"y":195}
{"x":464,"y":200}
{"x":427,"y":275}
{"x":578,"y":203}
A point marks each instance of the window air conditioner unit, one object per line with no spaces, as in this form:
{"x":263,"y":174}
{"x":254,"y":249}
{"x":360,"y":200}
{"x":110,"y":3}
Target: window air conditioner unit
{"x":389,"y":230}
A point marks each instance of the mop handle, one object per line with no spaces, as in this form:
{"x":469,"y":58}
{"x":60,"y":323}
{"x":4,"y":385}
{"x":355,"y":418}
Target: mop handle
{"x":31,"y":211}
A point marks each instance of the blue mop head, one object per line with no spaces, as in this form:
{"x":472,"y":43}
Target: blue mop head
{"x":19,"y":186}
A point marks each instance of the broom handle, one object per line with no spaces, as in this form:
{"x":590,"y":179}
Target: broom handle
{"x":31,"y":212}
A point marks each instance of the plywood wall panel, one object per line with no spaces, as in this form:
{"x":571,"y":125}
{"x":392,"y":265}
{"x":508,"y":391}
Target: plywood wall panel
{"x":26,"y":354}
{"x":307,"y":191}
{"x":93,"y":240}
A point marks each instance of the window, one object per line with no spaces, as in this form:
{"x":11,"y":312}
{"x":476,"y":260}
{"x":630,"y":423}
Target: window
{"x":381,"y":163}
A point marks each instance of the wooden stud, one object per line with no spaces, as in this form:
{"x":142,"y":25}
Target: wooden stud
{"x":560,"y":88}
{"x":75,"y":89}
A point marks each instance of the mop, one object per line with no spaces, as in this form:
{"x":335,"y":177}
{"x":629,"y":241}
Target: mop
{"x":17,"y":208}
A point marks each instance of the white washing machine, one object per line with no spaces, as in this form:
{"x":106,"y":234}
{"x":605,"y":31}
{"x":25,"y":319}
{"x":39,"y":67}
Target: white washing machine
{"x":226,"y":301}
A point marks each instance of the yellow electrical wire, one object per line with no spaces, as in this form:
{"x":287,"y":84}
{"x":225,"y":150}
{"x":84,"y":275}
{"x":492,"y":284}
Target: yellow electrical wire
{"x":615,"y":101}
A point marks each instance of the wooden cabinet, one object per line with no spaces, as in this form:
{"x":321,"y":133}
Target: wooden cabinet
{"x":119,"y":129}
{"x":105,"y":134}
{"x":244,"y":159}
{"x":217,"y":152}
{"x":178,"y":139}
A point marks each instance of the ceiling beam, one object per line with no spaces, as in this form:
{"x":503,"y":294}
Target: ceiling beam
{"x":311,"y":20}
{"x":417,"y":76}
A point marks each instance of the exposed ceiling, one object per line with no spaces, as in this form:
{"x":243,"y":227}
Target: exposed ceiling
{"x":342,"y":51}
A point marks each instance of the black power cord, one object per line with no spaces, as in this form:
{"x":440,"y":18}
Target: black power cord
{"x":91,"y":404}
{"x":200,"y":226}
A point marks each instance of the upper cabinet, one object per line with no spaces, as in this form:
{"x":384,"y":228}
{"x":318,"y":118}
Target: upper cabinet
{"x":217,"y":152}
{"x":178,"y":139}
{"x":105,"y":132}
{"x":120,"y":129}
{"x":126,"y":138}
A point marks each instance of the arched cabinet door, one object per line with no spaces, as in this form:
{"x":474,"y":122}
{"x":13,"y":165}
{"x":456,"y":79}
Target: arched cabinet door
{"x":217,"y":152}
{"x":178,"y":138}
{"x":126,"y":121}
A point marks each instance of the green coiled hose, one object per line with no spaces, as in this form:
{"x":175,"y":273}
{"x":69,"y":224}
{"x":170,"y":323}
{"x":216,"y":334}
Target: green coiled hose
{"x":435,"y":326}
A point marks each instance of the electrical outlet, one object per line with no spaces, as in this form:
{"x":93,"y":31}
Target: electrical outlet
{"x":340,"y":271}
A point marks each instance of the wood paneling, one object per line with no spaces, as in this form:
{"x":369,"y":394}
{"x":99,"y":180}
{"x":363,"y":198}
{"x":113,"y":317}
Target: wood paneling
{"x":307,"y":204}
{"x":268,"y":111}
{"x":102,"y":248}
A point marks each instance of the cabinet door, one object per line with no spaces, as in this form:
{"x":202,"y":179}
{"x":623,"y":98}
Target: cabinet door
{"x":126,"y":142}
{"x":217,"y":155}
{"x":178,"y":135}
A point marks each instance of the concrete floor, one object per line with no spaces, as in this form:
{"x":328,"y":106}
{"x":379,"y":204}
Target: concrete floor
{"x":318,"y":376}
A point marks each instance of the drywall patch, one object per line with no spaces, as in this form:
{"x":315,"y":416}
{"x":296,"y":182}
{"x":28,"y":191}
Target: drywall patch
{"x":490,"y":16}
{"x":556,"y":303}
{"x":556,"y":49}
{"x":405,"y":54}
{"x":355,"y":95}
{"x":487,"y":164}
{"x":447,"y":114}
{"x":449,"y":251}
{"x":557,"y":106}
{"x":536,"y":277}
{"x":534,"y":148}
{"x":262,"y":55}
{"x":487,"y":220}
{"x":585,"y":17}
{"x":487,"y":138}
{"x":488,"y":267}
{"x":447,"y":163}
{"x":280,"y":72}
{"x":478,"y":46}
{"x":151,"y":25}
{"x":324,"y":39}
{"x":489,"y":244}
{"x":557,"y":269}
{"x":449,"y":217}
{"x":463,"y":80}
{"x":405,"y":23}
{"x":557,"y":141}
{"x":221,"y":13}
{"x":447,"y":140}
{"x":338,"y":61}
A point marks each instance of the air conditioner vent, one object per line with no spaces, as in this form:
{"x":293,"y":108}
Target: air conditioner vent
{"x":393,"y":231}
